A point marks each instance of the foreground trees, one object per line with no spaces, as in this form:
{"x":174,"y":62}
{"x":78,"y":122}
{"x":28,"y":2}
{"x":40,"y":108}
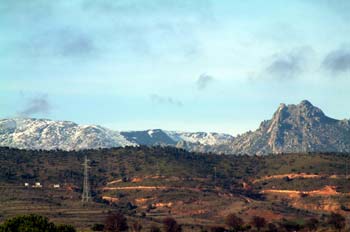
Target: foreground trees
{"x":332,"y":222}
{"x":337,"y":221}
{"x":258,"y":222}
{"x":171,"y":225}
{"x":33,"y":223}
{"x":116,"y":222}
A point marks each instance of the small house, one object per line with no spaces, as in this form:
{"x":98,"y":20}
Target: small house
{"x":37,"y":185}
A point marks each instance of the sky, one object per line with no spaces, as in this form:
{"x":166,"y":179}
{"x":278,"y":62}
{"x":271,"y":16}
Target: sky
{"x":190,"y":65}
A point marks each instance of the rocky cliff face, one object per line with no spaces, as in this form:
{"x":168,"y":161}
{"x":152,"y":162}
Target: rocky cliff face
{"x":296,"y":128}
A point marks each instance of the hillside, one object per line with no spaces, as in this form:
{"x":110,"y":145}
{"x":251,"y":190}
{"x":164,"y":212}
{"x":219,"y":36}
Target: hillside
{"x":150,"y":183}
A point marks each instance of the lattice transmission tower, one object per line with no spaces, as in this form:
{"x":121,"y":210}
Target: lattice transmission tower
{"x":86,"y":187}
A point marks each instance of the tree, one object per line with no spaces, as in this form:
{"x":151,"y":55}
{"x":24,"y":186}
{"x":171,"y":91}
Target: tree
{"x":116,"y":222}
{"x":97,"y":227}
{"x":272,"y":227}
{"x":65,"y":228}
{"x":258,"y":222}
{"x":312,"y":224}
{"x":217,"y":229}
{"x":154,"y":228}
{"x":290,"y":226}
{"x":33,"y":223}
{"x":234,"y":222}
{"x":337,"y":221}
{"x":136,"y":227}
{"x":171,"y":225}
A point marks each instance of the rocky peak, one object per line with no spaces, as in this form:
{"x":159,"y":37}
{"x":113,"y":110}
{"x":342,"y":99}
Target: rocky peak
{"x":297,"y":128}
{"x":305,"y":103}
{"x":306,"y":109}
{"x":300,"y":114}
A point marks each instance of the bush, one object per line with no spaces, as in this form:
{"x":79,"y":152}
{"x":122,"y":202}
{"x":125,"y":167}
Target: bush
{"x":258,"y":222}
{"x":337,"y":221}
{"x":290,"y":225}
{"x":116,"y":222}
{"x":65,"y":228}
{"x":154,"y":228}
{"x":217,"y":229}
{"x":171,"y":225}
{"x":234,"y":222}
{"x":98,"y":227}
{"x":272,"y":227}
{"x":136,"y":227}
{"x":312,"y":224}
{"x":33,"y":223}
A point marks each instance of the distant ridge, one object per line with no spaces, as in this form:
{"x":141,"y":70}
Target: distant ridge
{"x":293,"y":128}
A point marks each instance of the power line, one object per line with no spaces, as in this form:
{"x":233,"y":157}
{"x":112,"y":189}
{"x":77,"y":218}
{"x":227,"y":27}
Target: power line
{"x":215,"y":177}
{"x":86,"y":187}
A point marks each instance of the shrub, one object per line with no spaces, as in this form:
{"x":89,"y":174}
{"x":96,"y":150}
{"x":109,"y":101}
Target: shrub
{"x":136,"y":227}
{"x":33,"y":223}
{"x":234,"y":222}
{"x":258,"y":222}
{"x":217,"y":229}
{"x":337,"y":221}
{"x":65,"y":228}
{"x":171,"y":225}
{"x":98,"y":227}
{"x":312,"y":224}
{"x":272,"y":227}
{"x":154,"y":228}
{"x":116,"y":222}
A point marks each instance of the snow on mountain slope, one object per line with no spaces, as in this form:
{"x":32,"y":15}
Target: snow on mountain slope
{"x":202,"y":138}
{"x":48,"y":135}
{"x":149,"y":137}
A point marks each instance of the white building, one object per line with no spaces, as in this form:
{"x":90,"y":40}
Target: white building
{"x":37,"y":185}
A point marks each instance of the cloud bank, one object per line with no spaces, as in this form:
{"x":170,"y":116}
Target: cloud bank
{"x":337,"y":61}
{"x":289,"y":64}
{"x":37,"y":105}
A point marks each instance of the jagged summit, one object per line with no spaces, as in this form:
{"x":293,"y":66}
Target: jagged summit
{"x":296,"y":128}
{"x":305,"y":103}
{"x":303,"y":113}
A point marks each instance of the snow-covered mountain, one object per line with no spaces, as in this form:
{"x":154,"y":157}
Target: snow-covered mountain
{"x":28,"y":133}
{"x":149,"y":137}
{"x":202,"y":138}
{"x":47,"y":135}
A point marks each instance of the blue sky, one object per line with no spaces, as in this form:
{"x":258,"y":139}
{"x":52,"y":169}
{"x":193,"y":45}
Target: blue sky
{"x":180,"y":65}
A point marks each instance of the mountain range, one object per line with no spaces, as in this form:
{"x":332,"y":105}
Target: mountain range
{"x":293,"y":128}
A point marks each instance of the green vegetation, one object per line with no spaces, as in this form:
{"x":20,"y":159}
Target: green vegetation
{"x":33,"y":223}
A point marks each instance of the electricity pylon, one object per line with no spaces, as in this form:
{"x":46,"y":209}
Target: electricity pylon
{"x":86,"y":187}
